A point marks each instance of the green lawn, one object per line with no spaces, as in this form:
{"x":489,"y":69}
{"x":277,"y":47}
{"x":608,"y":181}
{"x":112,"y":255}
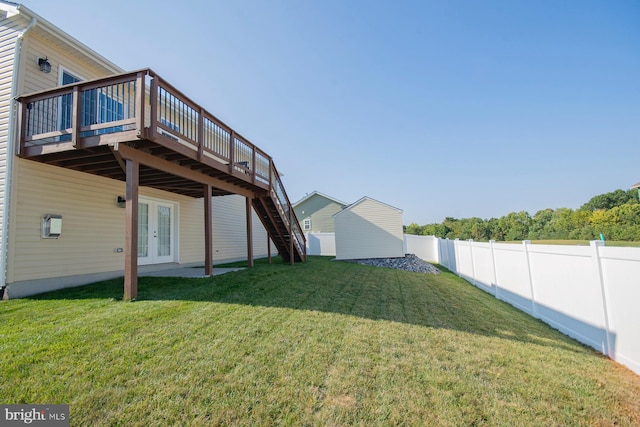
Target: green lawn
{"x":319,"y":343}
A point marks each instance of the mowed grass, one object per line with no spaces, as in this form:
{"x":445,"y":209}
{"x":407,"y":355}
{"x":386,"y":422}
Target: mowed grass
{"x":318,"y":343}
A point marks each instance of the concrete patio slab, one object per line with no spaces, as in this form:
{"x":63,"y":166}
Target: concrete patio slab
{"x":188,"y":272}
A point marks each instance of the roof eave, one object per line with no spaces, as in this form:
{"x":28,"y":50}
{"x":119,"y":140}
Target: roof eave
{"x":317,"y":193}
{"x":362,"y":199}
{"x":66,"y":38}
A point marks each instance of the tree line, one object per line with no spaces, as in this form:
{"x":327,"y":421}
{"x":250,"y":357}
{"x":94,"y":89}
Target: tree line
{"x":615,"y":215}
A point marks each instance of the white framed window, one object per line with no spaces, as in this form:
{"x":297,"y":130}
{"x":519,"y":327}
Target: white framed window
{"x":66,"y":102}
{"x":306,"y":224}
{"x":98,"y":106}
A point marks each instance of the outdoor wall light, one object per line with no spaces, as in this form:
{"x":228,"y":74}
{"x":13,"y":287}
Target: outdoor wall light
{"x":121,"y":201}
{"x":44,"y":64}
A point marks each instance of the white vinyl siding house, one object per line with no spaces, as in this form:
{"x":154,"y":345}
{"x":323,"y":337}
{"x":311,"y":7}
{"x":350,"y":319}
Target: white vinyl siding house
{"x":369,"y":229}
{"x":93,"y":224}
{"x":10,"y":31}
{"x":93,"y":229}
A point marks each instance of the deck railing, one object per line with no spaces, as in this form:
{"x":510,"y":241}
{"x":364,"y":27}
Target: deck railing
{"x":82,"y":110}
{"x":142,"y":105}
{"x":287,"y":213}
{"x":115,"y":109}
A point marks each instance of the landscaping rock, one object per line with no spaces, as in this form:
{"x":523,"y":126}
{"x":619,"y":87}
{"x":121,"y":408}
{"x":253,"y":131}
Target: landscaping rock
{"x":409,"y":262}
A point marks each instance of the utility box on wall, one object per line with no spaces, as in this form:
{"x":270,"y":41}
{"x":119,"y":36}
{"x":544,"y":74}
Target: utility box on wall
{"x":51,"y":226}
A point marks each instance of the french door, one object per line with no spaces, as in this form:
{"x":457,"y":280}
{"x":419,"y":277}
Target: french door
{"x":156,"y":232}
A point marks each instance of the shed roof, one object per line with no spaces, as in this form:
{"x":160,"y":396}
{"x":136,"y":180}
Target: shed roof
{"x":365,"y":198}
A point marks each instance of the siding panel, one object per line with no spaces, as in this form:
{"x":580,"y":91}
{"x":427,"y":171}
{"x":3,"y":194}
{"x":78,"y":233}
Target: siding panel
{"x":93,"y":225}
{"x":9,"y":31}
{"x":35,"y":80}
{"x":230,"y":230}
{"x":320,"y":211}
{"x":369,"y":229}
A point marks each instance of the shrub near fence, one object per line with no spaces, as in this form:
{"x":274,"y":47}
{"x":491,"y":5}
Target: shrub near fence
{"x":591,"y":293}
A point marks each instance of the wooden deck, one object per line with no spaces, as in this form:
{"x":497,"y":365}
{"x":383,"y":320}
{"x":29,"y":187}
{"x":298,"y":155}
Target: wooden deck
{"x":136,"y":127}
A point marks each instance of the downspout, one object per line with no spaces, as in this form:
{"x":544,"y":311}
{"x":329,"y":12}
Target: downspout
{"x":11,"y":153}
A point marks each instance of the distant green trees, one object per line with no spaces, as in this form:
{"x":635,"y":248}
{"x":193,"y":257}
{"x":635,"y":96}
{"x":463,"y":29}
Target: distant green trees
{"x":615,"y":214}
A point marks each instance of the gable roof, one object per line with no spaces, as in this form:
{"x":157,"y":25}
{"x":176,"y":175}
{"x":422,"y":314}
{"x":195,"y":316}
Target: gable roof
{"x":317,"y":193}
{"x":365,"y":198}
{"x":46,"y":27}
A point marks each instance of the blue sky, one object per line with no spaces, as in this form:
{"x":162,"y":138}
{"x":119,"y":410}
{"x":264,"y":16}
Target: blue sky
{"x":440,"y":108}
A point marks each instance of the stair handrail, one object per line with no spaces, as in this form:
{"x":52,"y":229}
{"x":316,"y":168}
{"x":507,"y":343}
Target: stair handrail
{"x":287,"y":211}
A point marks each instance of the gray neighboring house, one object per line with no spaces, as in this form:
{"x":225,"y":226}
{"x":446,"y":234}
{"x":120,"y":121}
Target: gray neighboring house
{"x":315,"y":212}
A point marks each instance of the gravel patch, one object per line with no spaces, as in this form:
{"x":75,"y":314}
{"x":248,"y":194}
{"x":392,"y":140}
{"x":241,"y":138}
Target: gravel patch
{"x":409,"y":262}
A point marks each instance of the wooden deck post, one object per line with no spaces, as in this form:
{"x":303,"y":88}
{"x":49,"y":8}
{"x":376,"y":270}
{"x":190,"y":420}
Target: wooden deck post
{"x":22,"y":121}
{"x":232,"y":152}
{"x":75,"y":117}
{"x":139,"y":103}
{"x":200,"y":138}
{"x":153,"y":108}
{"x":131,"y":232}
{"x":249,"y":233}
{"x":208,"y":231}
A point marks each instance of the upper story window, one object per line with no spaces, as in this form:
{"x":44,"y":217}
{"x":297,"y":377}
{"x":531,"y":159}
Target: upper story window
{"x":306,"y":224}
{"x":98,"y":106}
{"x":66,"y":109}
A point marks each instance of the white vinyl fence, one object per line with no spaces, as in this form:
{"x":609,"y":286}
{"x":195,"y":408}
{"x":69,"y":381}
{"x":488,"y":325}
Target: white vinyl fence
{"x":321,"y":244}
{"x":591,"y":293}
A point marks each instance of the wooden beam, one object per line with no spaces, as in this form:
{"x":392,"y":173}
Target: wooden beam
{"x":208,"y":231}
{"x":249,"y":233}
{"x":131,"y":232}
{"x":87,"y":142}
{"x":119,"y":159}
{"x":154,"y":162}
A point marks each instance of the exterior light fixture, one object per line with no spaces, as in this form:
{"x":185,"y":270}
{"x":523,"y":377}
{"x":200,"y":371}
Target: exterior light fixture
{"x":44,"y":64}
